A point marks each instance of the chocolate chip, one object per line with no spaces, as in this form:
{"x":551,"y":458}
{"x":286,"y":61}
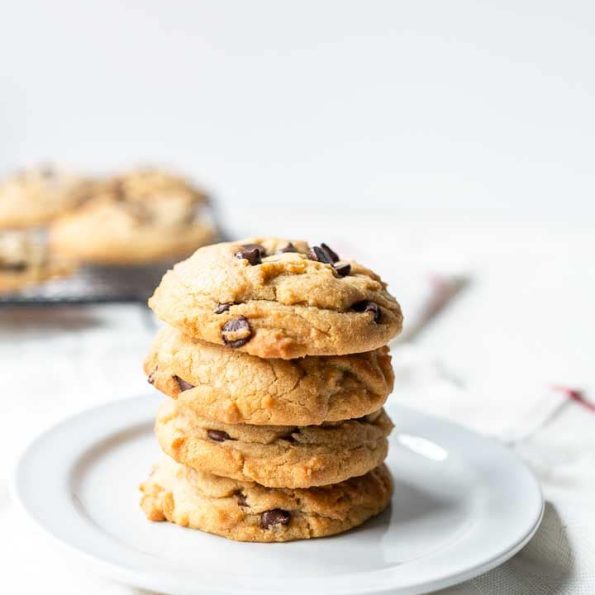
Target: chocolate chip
{"x":368,"y":306}
{"x":241,"y":498}
{"x":236,"y":332}
{"x":289,"y":248}
{"x":151,"y":377}
{"x":253,"y":253}
{"x":323,"y":253}
{"x":329,"y":252}
{"x":277,"y":516}
{"x":259,"y":247}
{"x":183,"y":384}
{"x":218,"y":435}
{"x":223,"y":307}
{"x":318,"y":254}
{"x":343,"y":269}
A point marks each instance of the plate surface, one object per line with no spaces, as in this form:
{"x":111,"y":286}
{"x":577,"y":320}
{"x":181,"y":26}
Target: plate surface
{"x":462,"y":505}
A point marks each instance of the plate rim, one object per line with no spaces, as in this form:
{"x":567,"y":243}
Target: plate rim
{"x":152,"y":581}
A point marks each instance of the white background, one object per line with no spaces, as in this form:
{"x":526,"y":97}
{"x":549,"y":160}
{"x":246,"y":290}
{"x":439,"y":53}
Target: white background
{"x":460,"y":105}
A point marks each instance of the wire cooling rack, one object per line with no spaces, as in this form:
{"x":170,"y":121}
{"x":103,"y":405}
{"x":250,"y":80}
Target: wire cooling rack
{"x":99,"y":284}
{"x":92,"y":285}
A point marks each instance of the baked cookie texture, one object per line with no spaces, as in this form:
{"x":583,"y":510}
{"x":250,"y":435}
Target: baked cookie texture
{"x":274,"y":353}
{"x":35,"y":196}
{"x":135,"y":218}
{"x":231,"y":386}
{"x":275,"y":298}
{"x":24,"y":261}
{"x":246,"y":511}
{"x":274,"y":456}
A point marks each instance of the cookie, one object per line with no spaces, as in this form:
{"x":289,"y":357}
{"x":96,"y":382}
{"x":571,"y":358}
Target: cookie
{"x":24,"y":261}
{"x":246,"y":511}
{"x":278,"y":299}
{"x":135,"y":218}
{"x":231,"y":386}
{"x":36,"y":196}
{"x":274,"y":456}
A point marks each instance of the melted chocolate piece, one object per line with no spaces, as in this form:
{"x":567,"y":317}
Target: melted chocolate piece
{"x":277,"y":516}
{"x":343,"y":269}
{"x":330,"y":253}
{"x":183,"y":384}
{"x":218,"y":435}
{"x":368,"y":306}
{"x":241,"y":498}
{"x":252,"y":255}
{"x":236,"y":332}
{"x":318,"y":254}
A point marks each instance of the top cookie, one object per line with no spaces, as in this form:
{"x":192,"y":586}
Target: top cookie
{"x":276,"y":298}
{"x":35,"y":196}
{"x":135,"y":218}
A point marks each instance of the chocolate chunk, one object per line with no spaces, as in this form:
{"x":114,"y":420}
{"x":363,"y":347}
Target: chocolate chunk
{"x":236,"y":332}
{"x":151,"y":377}
{"x":183,"y":384}
{"x":318,"y":254}
{"x":277,"y":516}
{"x":329,"y":252}
{"x":218,"y":435}
{"x":323,"y":254}
{"x":241,"y":498}
{"x":289,"y":248}
{"x":223,"y":307}
{"x":343,"y":269}
{"x":259,"y":247}
{"x":252,"y":255}
{"x":368,"y":306}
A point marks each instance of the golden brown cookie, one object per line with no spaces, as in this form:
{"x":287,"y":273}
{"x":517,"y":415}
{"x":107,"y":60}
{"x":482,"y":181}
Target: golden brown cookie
{"x":278,"y":299}
{"x":231,"y":386}
{"x":135,"y":218}
{"x":246,"y":511}
{"x":24,"y":261}
{"x":35,"y":196}
{"x":274,"y":456}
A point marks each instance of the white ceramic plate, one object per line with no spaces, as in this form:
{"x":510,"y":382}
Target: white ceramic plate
{"x":462,"y":505}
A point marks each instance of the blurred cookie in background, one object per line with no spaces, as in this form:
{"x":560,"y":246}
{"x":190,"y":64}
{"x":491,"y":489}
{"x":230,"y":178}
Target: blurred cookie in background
{"x":25,"y":261}
{"x":35,"y":196}
{"x":138,"y":217}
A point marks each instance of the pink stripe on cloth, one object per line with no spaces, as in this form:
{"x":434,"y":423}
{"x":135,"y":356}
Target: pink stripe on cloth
{"x":576,"y":395}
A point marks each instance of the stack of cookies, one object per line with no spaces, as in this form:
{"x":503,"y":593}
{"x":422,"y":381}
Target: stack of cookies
{"x":29,"y":201}
{"x":275,"y":359}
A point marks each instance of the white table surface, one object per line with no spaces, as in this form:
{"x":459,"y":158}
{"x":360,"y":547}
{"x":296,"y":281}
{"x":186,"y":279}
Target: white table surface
{"x":526,"y":322}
